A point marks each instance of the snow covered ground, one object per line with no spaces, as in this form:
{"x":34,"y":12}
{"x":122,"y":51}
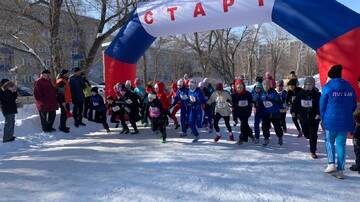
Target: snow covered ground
{"x":90,"y":165}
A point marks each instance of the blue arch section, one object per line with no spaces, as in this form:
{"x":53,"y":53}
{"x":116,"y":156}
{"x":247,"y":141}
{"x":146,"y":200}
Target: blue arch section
{"x":131,"y":42}
{"x":315,"y":22}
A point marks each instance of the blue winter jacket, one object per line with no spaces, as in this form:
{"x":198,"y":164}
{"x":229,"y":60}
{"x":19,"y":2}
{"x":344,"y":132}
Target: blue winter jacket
{"x":337,"y":104}
{"x":271,"y":101}
{"x":97,"y":103}
{"x":200,"y":99}
{"x":182,"y":96}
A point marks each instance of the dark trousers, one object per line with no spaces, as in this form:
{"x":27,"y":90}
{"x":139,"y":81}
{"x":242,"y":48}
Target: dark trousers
{"x":160,"y":125}
{"x":100,"y":117}
{"x":283,"y":120}
{"x":78,"y":112}
{"x":356,"y":141}
{"x":296,"y":122}
{"x":47,"y":120}
{"x":227,"y":122}
{"x":9,"y":126}
{"x":245,"y":130}
{"x":88,"y":111}
{"x":269,"y":119}
{"x":310,"y":130}
{"x":63,"y":116}
{"x":131,"y":120}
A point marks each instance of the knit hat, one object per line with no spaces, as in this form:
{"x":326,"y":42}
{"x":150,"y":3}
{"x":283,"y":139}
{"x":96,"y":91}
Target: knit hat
{"x":63,"y":72}
{"x":45,"y":71}
{"x":335,"y":72}
{"x":309,"y":81}
{"x":280,"y":83}
{"x":259,"y":85}
{"x":95,"y":89}
{"x":292,"y":82}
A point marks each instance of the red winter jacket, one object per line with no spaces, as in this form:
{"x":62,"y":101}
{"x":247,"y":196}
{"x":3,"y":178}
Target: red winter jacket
{"x":45,"y":95}
{"x":162,"y":96}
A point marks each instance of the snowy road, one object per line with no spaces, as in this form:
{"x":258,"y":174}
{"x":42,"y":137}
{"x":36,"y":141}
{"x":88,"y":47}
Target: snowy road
{"x":90,"y":165}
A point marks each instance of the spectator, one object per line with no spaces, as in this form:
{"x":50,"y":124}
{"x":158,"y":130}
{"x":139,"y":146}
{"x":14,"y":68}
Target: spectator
{"x":356,"y":141}
{"x":337,"y":104}
{"x":46,"y":102}
{"x":64,"y":98}
{"x":88,"y":113}
{"x":77,"y":86}
{"x":8,"y":96}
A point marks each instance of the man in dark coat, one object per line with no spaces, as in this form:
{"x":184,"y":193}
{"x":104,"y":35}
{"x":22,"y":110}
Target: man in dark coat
{"x":46,"y":103}
{"x":77,"y":86}
{"x":8,"y":96}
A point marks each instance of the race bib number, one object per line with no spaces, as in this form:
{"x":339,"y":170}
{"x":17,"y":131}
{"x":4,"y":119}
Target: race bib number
{"x":127,"y":109}
{"x":183,"y":97}
{"x":306,"y":103}
{"x":128,"y":101}
{"x":116,"y":108}
{"x":95,"y":104}
{"x":192,"y":98}
{"x":293,"y":98}
{"x":268,"y":104}
{"x":221,"y":105}
{"x":154,"y":112}
{"x":243,"y":103}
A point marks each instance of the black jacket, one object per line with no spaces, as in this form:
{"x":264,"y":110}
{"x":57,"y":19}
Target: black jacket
{"x":241,"y":110}
{"x":8,"y":102}
{"x":77,"y":86}
{"x":307,"y":104}
{"x":291,"y":95}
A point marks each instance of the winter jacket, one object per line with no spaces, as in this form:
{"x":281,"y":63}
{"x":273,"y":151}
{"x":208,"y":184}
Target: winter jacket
{"x":140,"y":91}
{"x":306,"y":104}
{"x":182,"y":96}
{"x":87,"y":90}
{"x":77,"y":86}
{"x":283,"y":96}
{"x":242,"y":104}
{"x":271,"y":102}
{"x":63,"y":91}
{"x":155,"y":110}
{"x":132,"y":104}
{"x":161,"y":95}
{"x":8,"y":102}
{"x":197,"y":99}
{"x":45,"y":95}
{"x":291,"y":94}
{"x":337,"y":104}
{"x":258,"y":104}
{"x":97,"y":103}
{"x":222,"y":100}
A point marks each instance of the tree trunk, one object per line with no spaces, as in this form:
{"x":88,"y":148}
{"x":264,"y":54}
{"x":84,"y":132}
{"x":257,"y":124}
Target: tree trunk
{"x":55,"y":46}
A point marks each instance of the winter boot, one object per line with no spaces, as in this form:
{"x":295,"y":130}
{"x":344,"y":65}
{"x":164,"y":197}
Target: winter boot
{"x":196,"y":139}
{"x":217,"y":138}
{"x":330,"y":168}
{"x":300,"y":134}
{"x":266,"y":142}
{"x":231,"y":137}
{"x":314,"y":156}
{"x":280,"y":142}
{"x":354,"y":168}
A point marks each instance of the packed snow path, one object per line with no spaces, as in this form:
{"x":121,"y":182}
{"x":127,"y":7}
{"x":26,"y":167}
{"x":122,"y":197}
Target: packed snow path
{"x":90,"y":165}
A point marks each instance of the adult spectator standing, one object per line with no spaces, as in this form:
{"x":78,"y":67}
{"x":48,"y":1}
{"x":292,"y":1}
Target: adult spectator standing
{"x":63,"y":93}
{"x":77,"y":86}
{"x":337,"y":104}
{"x":8,"y":96}
{"x":46,"y":103}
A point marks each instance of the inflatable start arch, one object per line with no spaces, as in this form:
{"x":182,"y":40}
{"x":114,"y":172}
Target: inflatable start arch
{"x":327,"y":26}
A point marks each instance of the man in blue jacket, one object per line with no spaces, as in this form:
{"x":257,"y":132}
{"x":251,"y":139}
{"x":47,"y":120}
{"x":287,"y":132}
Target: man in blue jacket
{"x":337,"y":104}
{"x":182,"y":96}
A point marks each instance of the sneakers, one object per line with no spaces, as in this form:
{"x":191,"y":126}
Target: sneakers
{"x":217,"y":138}
{"x":314,"y":156}
{"x":330,"y":168}
{"x":300,"y":134}
{"x":196,"y":139}
{"x":231,"y":137}
{"x":354,"y":168}
{"x":266,"y":142}
{"x":280,"y":142}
